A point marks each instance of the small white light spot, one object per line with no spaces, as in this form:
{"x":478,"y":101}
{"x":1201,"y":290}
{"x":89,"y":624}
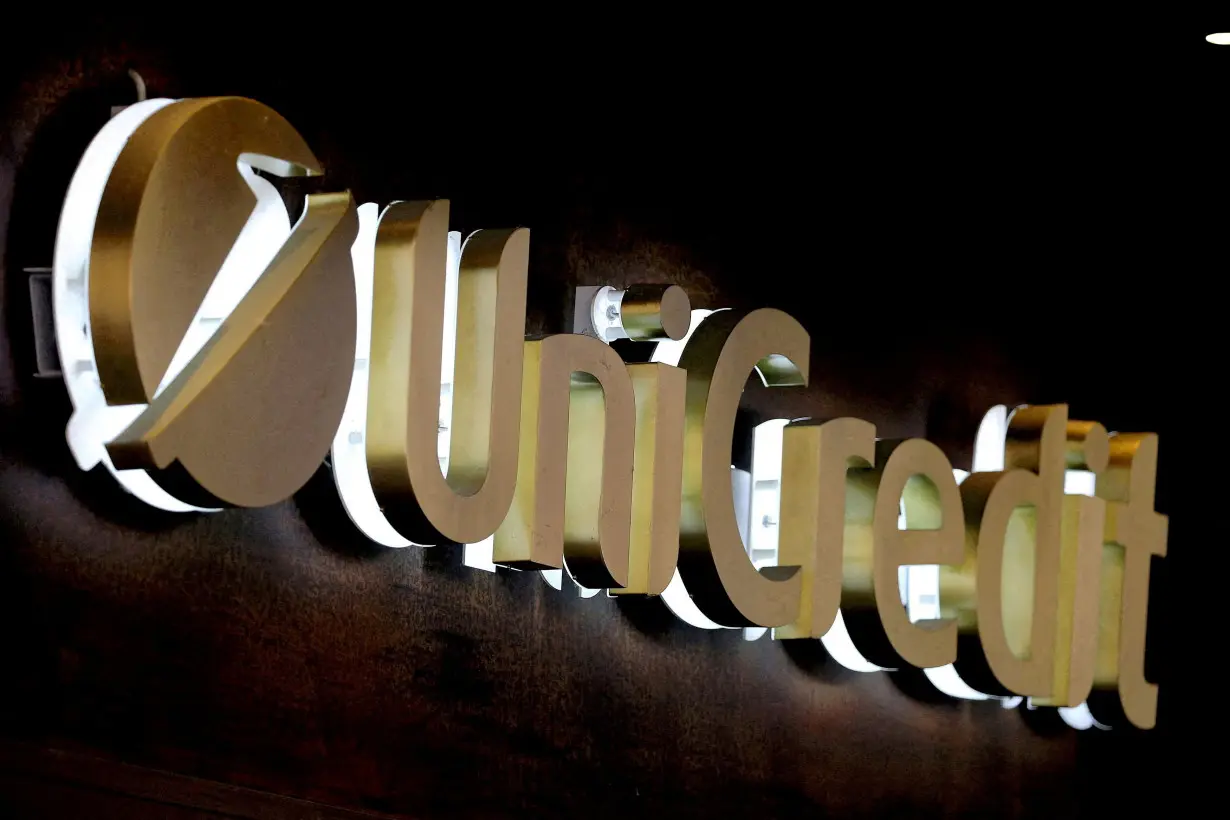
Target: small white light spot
{"x":1219,"y":39}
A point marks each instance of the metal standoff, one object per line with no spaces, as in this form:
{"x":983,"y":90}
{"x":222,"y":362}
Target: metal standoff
{"x":641,"y":312}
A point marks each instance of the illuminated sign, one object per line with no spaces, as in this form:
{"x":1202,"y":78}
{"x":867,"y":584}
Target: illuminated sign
{"x":216,"y":351}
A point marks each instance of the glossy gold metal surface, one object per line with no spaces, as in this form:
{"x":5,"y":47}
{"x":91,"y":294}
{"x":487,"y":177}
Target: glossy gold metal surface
{"x":573,"y":498}
{"x":655,"y":312}
{"x":1081,"y":539}
{"x":1076,"y":626}
{"x":1047,"y":569}
{"x":657,"y":473}
{"x":251,"y":416}
{"x":814,"y":510}
{"x":171,"y":210}
{"x":248,"y":420}
{"x":1013,"y":539}
{"x":715,"y":568}
{"x":1134,"y":534}
{"x":403,"y":409}
{"x":1088,"y":446}
{"x":917,"y":475}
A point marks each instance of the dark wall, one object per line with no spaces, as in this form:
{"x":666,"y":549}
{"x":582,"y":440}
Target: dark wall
{"x":959,"y":222}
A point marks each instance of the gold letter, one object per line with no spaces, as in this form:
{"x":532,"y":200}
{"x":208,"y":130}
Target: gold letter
{"x":1134,"y":534}
{"x":815,"y":461}
{"x":1076,"y":627}
{"x":657,"y":473}
{"x":579,"y":411}
{"x":1081,"y":537}
{"x":249,"y":419}
{"x":917,"y":472}
{"x":1013,"y":521}
{"x":712,"y":560}
{"x":403,"y":410}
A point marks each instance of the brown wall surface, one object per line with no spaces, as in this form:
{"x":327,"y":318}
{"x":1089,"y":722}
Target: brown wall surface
{"x":952,"y":237}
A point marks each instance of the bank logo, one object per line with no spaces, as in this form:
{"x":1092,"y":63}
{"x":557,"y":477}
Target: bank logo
{"x":220,"y":339}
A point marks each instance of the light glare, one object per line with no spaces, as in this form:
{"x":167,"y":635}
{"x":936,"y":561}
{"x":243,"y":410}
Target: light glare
{"x":93,"y":422}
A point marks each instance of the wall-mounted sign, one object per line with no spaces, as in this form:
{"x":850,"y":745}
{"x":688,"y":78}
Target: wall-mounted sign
{"x":216,"y":353}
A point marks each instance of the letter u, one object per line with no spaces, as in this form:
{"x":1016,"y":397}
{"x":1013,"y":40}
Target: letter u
{"x":403,"y":406}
